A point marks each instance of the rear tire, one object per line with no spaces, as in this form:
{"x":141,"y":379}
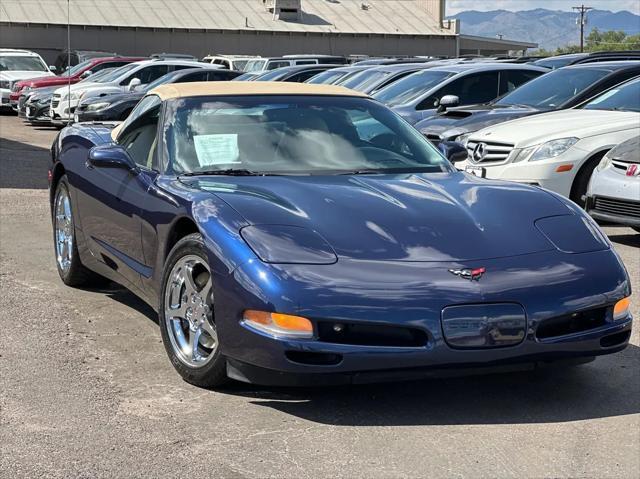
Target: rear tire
{"x":70,"y":268}
{"x":186,"y":315}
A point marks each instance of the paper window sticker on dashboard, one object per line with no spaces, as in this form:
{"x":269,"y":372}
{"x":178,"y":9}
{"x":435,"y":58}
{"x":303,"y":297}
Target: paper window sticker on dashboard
{"x":218,"y":149}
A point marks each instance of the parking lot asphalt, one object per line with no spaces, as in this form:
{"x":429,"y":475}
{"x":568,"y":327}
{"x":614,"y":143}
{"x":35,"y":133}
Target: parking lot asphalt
{"x":86,"y":388}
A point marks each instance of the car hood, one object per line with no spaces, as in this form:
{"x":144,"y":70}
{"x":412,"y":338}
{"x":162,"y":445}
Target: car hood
{"x":456,"y":122}
{"x":115,"y":98}
{"x":14,"y":75}
{"x":579,"y":123}
{"x":408,"y":217}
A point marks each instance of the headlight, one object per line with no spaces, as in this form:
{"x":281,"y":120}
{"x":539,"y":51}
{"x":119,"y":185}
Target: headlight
{"x":553,"y":149}
{"x":621,"y":309}
{"x":288,"y":244}
{"x":604,"y":163}
{"x":523,"y":154}
{"x":97,"y":106}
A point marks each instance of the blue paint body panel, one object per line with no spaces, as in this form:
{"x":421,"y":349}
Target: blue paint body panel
{"x":363,"y":249}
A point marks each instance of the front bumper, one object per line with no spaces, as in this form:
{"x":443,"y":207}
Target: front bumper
{"x":548,"y":285}
{"x":614,"y":197}
{"x":37,"y":113}
{"x":539,"y":173}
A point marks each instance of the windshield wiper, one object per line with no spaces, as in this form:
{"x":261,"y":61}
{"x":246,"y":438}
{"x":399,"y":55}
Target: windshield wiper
{"x":225,"y":172}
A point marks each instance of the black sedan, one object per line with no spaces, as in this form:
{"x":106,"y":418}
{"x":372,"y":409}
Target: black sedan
{"x":557,"y":90}
{"x":117,"y":107}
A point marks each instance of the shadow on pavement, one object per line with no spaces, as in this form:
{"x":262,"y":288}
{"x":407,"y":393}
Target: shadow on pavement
{"x":632,"y":239}
{"x":610,"y":386}
{"x":23,"y":166}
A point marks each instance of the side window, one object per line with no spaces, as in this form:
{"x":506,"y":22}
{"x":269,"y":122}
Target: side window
{"x":306,"y":62}
{"x":278,"y":64}
{"x":471,"y":90}
{"x":512,"y":79}
{"x":102,"y":66}
{"x":175,"y":68}
{"x":221,"y":75}
{"x":148,"y":74}
{"x":138,"y":134}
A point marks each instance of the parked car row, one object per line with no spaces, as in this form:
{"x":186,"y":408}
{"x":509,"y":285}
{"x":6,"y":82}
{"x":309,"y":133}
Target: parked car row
{"x":485,"y":115}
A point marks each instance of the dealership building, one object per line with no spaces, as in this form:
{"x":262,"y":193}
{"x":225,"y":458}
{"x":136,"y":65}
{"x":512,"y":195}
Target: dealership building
{"x":257,"y":27}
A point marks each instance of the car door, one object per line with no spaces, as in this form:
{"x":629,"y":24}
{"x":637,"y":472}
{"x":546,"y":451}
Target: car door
{"x":110,"y":208}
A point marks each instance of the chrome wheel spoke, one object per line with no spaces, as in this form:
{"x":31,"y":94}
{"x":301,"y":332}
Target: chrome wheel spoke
{"x":187,"y":311}
{"x":194,"y":341}
{"x":63,"y":232}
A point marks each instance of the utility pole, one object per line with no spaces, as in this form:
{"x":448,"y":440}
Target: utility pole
{"x":583,"y":20}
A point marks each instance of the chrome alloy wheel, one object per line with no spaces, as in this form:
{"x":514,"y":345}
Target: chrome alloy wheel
{"x":188,"y":311}
{"x":64,"y":230}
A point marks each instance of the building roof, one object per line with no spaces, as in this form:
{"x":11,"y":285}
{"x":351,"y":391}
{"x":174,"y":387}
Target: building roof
{"x":404,"y":17}
{"x":230,"y":88}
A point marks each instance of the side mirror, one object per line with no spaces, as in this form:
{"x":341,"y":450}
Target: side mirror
{"x":86,"y":74}
{"x":52,"y":68}
{"x":447,"y":101}
{"x":453,"y":151}
{"x":134,"y":83}
{"x":111,"y":156}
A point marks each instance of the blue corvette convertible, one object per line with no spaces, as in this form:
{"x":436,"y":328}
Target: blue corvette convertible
{"x":305,"y":234}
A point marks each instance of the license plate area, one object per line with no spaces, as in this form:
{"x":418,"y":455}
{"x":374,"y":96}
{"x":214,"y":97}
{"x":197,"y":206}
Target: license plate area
{"x":484,"y":326}
{"x":478,"y":171}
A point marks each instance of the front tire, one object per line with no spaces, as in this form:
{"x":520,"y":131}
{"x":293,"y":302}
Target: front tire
{"x":187,"y":321}
{"x":70,"y":267}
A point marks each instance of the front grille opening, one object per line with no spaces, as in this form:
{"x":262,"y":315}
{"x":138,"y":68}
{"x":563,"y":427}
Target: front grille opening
{"x":315,"y":359}
{"x":615,"y":339}
{"x":370,"y":334}
{"x":572,"y":323}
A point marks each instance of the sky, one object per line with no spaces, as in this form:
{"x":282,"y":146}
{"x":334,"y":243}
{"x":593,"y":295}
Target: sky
{"x":455,"y":6}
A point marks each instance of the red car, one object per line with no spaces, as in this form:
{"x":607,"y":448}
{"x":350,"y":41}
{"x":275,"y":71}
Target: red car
{"x":77,"y":73}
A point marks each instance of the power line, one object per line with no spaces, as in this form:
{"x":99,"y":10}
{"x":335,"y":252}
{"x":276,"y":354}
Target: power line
{"x":583,"y":20}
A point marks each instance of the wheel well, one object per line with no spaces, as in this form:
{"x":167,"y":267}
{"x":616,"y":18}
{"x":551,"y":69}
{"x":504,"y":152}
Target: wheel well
{"x":183,"y":227}
{"x":589,"y":164}
{"x":56,"y":174}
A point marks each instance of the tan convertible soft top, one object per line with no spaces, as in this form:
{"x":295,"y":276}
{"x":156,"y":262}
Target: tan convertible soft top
{"x":239,"y":88}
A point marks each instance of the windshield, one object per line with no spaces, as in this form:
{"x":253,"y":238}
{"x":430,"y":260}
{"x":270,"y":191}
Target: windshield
{"x":114,"y":74}
{"x":255,"y":65}
{"x":327,"y":78}
{"x":554,"y":88}
{"x":623,"y":98}
{"x":16,"y":63}
{"x":239,"y":65}
{"x":363,"y":80}
{"x":293,"y":135}
{"x":76,"y":69}
{"x":271,"y":75}
{"x":411,"y":87}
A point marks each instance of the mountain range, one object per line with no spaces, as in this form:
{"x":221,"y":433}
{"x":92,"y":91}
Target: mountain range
{"x":550,"y":29}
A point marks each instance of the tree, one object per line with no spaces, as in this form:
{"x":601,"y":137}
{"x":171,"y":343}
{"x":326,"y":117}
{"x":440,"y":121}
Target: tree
{"x":598,"y":41}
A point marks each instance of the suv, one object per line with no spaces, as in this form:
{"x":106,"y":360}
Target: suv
{"x":126,"y":78}
{"x":418,"y":95}
{"x":258,"y":65}
{"x":72,"y":75}
{"x":16,"y":65}
{"x":230,"y":62}
{"x":62,"y":64}
{"x":560,"y":61}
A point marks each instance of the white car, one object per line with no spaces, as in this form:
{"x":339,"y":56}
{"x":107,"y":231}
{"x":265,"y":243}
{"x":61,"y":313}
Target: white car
{"x":16,"y":65}
{"x":126,"y":78}
{"x":230,"y":62}
{"x":614,"y":190}
{"x":558,"y":150}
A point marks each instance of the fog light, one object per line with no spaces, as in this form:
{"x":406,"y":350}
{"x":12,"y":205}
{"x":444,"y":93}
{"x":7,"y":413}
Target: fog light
{"x":278,"y":324}
{"x":621,"y":309}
